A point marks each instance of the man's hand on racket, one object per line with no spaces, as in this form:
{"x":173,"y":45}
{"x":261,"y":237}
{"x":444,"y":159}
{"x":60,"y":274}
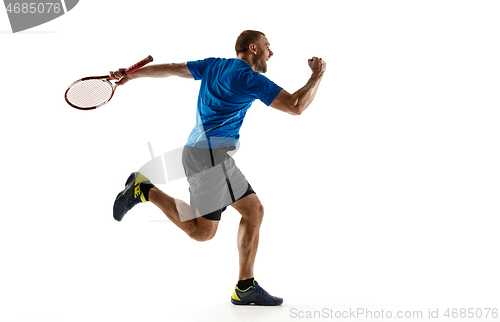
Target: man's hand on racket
{"x":118,"y":75}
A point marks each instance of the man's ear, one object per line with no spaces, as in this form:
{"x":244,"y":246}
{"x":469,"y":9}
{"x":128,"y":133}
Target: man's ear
{"x":253,"y":48}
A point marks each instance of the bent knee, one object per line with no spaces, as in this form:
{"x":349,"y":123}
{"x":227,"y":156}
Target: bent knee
{"x":202,"y":236}
{"x":255,"y":213}
{"x":260,"y":211}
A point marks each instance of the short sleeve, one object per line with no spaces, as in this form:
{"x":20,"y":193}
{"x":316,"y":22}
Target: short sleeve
{"x":262,"y":88}
{"x":196,"y":68}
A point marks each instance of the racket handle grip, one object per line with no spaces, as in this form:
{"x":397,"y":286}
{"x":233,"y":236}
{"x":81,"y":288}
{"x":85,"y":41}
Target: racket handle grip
{"x":138,"y":65}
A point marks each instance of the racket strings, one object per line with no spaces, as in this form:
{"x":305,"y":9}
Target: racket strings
{"x":90,"y":93}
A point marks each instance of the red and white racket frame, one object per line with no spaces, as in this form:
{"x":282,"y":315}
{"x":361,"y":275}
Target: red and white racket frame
{"x":128,"y":71}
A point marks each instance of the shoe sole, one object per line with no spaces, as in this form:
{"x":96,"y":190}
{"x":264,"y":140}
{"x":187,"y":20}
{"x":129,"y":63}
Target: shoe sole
{"x":235,"y":302}
{"x":130,"y":180}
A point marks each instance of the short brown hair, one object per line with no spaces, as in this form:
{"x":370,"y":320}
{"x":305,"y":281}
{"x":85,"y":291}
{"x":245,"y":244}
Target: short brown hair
{"x":246,"y":38}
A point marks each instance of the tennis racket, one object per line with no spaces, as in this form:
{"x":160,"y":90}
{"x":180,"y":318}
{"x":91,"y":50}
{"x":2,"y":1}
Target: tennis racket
{"x":92,"y":92}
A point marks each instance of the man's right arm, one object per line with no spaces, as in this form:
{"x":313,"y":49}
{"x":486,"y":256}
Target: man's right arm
{"x":299,"y":101}
{"x":155,"y":71}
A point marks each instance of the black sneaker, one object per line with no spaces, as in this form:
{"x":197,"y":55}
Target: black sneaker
{"x":254,"y":295}
{"x":130,"y":196}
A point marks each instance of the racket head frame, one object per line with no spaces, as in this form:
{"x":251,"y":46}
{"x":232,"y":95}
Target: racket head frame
{"x":128,"y":71}
{"x":102,"y":78}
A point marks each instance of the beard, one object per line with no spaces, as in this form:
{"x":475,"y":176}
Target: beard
{"x":261,"y":65}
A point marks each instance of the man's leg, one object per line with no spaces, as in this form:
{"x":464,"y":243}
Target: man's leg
{"x":252,"y":212}
{"x":200,"y":229}
{"x":248,"y":291}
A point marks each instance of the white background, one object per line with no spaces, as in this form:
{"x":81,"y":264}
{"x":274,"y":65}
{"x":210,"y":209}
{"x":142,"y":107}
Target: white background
{"x":384,"y":194}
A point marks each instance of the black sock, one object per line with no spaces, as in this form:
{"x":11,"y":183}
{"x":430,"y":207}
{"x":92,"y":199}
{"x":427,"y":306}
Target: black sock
{"x":145,"y":187}
{"x":243,"y":285}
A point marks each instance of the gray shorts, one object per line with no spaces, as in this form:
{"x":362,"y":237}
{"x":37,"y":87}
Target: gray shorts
{"x":215,"y":181}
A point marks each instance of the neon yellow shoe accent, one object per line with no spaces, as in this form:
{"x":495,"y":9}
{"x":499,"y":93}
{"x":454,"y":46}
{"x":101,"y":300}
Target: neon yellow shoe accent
{"x":235,"y":296}
{"x":140,"y":178}
{"x":137,"y":190}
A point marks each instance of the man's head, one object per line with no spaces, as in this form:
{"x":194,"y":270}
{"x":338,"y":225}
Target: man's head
{"x":253,"y":47}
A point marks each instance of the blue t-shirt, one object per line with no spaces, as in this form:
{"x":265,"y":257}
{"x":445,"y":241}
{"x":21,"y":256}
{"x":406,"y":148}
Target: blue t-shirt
{"x":228,"y":88}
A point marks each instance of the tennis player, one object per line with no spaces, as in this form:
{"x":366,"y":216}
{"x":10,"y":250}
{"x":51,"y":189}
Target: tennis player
{"x":228,"y":89}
